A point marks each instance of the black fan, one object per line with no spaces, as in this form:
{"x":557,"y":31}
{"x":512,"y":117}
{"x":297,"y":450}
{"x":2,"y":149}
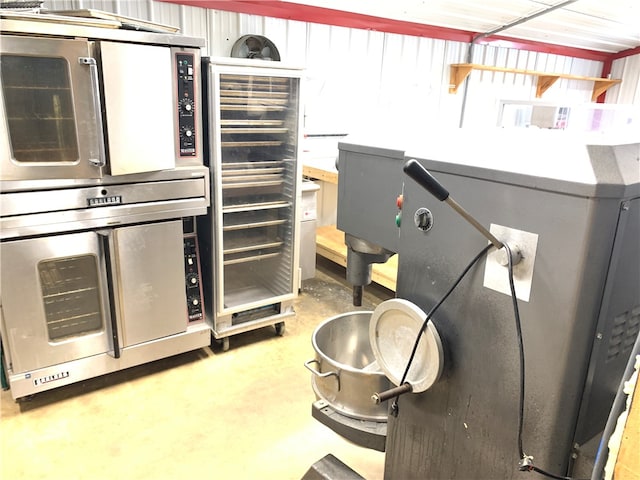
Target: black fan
{"x":255,"y":46}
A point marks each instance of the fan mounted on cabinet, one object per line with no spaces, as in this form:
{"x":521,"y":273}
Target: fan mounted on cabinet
{"x":255,"y":46}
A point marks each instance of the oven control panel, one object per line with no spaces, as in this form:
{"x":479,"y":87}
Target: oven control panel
{"x":185,"y":72}
{"x":195,"y":307}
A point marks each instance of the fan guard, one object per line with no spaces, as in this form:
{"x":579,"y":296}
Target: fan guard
{"x":255,"y":46}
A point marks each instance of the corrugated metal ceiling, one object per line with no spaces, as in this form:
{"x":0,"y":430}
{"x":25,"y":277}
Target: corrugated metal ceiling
{"x":607,"y":26}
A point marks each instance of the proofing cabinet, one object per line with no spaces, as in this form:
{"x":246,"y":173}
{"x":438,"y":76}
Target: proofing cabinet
{"x":251,"y":234}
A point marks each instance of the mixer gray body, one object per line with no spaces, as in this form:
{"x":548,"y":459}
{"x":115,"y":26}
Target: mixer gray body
{"x":573,"y":206}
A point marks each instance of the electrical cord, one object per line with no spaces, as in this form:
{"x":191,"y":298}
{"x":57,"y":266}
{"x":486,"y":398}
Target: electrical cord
{"x":516,"y":313}
{"x":526,"y":462}
{"x":394,"y":406}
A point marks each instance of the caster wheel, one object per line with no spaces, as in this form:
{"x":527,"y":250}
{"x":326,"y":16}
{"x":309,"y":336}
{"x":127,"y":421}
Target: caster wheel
{"x":279,"y":329}
{"x":222,"y":343}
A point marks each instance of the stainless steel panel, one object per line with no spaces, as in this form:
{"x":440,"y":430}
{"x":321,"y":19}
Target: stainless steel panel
{"x":25,"y":203}
{"x":41,"y":27}
{"x":35,"y":298}
{"x":179,"y":173}
{"x":138,"y":99}
{"x":50,"y":107}
{"x":40,"y":207}
{"x":196,"y":336}
{"x":150,"y":278}
{"x":227,"y":325}
{"x":308,"y":249}
{"x":142,"y":264}
{"x":55,"y":222}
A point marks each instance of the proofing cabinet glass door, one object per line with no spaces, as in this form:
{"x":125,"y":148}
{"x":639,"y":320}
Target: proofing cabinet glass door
{"x":54,"y":300}
{"x":257,"y":184}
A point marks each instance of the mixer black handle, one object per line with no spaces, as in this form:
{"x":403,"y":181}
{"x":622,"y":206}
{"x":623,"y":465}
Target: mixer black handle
{"x":425,"y":179}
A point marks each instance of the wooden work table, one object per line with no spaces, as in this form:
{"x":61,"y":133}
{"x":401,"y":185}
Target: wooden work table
{"x":320,"y":171}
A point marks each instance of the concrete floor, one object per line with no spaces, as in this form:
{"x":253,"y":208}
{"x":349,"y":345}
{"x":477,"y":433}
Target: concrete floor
{"x":207,"y":414}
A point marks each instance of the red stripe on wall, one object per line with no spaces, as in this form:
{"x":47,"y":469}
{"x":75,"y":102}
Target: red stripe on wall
{"x":626,"y":53}
{"x":326,"y":16}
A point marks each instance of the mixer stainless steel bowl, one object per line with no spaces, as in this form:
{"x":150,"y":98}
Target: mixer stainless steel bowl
{"x":345,"y":371}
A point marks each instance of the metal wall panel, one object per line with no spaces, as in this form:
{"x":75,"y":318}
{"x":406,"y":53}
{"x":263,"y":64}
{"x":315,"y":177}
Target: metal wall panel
{"x":628,"y":91}
{"x":343,"y":78}
{"x":194,"y":22}
{"x":224,"y":30}
{"x":140,"y":9}
{"x":587,"y":24}
{"x":355,"y":78}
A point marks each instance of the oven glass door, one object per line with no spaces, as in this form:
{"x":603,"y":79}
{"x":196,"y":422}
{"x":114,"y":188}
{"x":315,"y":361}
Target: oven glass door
{"x":54,"y":301}
{"x":48,"y":110}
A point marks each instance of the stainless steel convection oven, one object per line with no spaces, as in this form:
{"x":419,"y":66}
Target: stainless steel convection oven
{"x":251,"y":235}
{"x":101,"y":178}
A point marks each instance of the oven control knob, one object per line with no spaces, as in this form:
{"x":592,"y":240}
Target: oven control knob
{"x":186,"y":106}
{"x":192,"y":279}
{"x":194,"y":301}
{"x":186,"y":132}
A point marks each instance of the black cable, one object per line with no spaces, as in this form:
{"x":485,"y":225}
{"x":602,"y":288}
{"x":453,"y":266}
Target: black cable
{"x":526,"y":463}
{"x":516,"y":313}
{"x":430,"y":314}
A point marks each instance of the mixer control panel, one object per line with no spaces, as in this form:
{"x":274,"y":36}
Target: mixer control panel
{"x":193,"y":283}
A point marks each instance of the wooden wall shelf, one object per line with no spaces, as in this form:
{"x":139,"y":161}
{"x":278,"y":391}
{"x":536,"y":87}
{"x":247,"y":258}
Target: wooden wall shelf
{"x":460,"y":71}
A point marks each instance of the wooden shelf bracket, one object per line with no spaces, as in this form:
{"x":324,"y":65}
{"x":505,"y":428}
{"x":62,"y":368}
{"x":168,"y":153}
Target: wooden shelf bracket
{"x":460,"y":71}
{"x":544,"y":83}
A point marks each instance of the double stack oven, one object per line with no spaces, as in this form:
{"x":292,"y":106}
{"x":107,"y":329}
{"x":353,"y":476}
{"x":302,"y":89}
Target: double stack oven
{"x":102,"y":177}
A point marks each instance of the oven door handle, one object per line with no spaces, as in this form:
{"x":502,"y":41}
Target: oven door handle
{"x":97,"y":157}
{"x":104,"y":237}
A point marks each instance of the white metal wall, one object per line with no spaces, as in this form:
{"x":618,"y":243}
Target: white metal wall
{"x":628,"y":91}
{"x":356,"y":78}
